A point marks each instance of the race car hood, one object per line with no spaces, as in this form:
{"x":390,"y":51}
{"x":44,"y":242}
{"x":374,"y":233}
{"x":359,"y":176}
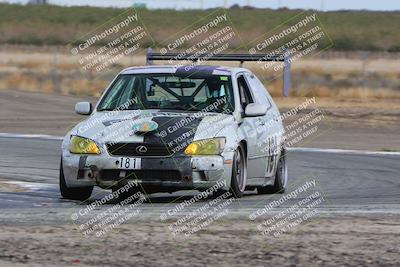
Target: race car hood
{"x":173,"y":128}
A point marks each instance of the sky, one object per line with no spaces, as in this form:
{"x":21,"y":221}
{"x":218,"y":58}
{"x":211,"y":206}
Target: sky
{"x":325,"y":5}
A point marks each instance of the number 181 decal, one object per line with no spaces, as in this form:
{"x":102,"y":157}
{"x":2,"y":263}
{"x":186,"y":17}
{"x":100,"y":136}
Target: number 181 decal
{"x":128,"y":163}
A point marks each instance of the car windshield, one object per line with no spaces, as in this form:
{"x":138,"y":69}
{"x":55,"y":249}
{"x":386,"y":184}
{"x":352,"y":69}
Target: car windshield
{"x":211,"y":93}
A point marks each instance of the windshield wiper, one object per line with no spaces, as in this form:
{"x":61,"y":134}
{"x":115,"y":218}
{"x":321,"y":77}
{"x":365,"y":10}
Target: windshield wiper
{"x":184,"y":109}
{"x":106,"y":109}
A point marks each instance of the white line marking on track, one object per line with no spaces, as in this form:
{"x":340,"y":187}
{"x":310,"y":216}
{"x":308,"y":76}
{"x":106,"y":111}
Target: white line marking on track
{"x":34,"y":136}
{"x":294,"y":149}
{"x":342,"y":151}
{"x":32,"y":186}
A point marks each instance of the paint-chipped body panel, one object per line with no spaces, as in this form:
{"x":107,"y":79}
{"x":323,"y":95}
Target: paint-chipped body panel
{"x":171,"y":169}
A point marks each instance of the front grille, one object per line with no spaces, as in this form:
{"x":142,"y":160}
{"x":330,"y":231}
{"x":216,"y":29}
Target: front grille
{"x":131,"y":149}
{"x":144,"y":175}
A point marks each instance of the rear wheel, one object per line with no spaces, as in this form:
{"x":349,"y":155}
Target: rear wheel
{"x":281,"y":178}
{"x":74,"y":193}
{"x":239,"y":173}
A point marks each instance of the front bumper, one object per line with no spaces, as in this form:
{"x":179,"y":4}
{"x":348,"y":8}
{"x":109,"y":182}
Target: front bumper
{"x":159,"y":173}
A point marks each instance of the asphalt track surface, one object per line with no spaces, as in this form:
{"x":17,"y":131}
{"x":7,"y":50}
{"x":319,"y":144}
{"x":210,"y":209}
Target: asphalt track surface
{"x":350,"y":182}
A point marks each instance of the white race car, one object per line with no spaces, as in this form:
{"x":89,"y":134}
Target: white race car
{"x":170,"y":128}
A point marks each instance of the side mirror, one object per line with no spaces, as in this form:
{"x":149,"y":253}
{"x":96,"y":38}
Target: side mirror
{"x":254,"y":110}
{"x":83,"y":108}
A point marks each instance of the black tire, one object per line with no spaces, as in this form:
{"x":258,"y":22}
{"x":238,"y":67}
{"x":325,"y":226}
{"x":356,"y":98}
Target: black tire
{"x":73,"y":193}
{"x":239,"y":168}
{"x":279,"y":183}
{"x":218,"y":193}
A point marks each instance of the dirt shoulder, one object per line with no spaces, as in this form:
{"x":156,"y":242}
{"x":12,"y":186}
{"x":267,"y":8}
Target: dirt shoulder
{"x":347,"y":241}
{"x":347,"y":124}
{"x":367,"y":124}
{"x":38,"y":113}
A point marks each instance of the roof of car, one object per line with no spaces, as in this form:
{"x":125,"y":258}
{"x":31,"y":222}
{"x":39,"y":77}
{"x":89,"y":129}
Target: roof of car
{"x":187,"y":69}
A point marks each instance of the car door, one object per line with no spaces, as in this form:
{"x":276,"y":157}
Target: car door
{"x":270,"y":132}
{"x":250,"y":128}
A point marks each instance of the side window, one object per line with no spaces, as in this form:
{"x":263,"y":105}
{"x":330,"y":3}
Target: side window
{"x":245,"y":95}
{"x":263,"y":96}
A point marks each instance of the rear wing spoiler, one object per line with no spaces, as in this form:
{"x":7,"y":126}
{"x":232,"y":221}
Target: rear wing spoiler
{"x":285,"y":58}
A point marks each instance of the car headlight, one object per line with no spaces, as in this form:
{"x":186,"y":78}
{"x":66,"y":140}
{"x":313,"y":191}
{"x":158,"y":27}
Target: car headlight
{"x":80,"y":145}
{"x":213,"y":146}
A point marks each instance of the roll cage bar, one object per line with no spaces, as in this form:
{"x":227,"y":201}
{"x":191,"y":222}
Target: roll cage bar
{"x":285,"y":58}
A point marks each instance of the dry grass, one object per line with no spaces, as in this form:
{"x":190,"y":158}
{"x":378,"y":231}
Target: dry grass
{"x":28,"y":83}
{"x":317,"y":91}
{"x":55,"y":25}
{"x":20,"y":81}
{"x":338,"y":93}
{"x":35,"y":70}
{"x":344,"y":93}
{"x":366,"y":93}
{"x":83,"y":87}
{"x":45,"y":65}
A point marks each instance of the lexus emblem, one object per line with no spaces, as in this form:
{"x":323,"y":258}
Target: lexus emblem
{"x":141,"y":149}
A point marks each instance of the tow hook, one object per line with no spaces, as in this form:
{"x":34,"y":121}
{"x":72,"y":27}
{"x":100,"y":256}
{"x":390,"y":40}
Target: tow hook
{"x":94,"y":172}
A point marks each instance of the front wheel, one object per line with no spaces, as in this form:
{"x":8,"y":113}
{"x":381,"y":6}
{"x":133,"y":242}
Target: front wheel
{"x":239,"y":173}
{"x":74,"y":193}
